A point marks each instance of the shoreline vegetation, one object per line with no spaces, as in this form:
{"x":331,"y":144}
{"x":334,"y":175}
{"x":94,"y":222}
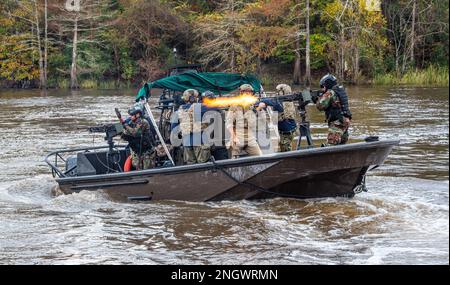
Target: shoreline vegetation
{"x":432,"y":76}
{"x":110,"y":44}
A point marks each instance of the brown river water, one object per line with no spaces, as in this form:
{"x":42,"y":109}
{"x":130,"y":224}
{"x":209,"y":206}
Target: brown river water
{"x":403,"y":219}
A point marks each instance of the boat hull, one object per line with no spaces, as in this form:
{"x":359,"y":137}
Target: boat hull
{"x":311,"y":173}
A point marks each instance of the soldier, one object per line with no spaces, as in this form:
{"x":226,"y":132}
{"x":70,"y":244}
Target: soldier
{"x":137,"y":133}
{"x":154,"y":137}
{"x":202,"y":146}
{"x":283,"y":89}
{"x":190,"y":127}
{"x":216,"y":141}
{"x":334,"y":102}
{"x":241,"y":123}
{"x":286,"y":117}
{"x":161,"y":158}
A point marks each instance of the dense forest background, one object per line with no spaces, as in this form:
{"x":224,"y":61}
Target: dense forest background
{"x":119,"y":43}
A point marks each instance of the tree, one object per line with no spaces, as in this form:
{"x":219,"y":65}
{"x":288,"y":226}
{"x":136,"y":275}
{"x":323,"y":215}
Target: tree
{"x":218,"y":36}
{"x":308,"y":50}
{"x":354,"y":30}
{"x":84,"y":20}
{"x":411,"y":24}
{"x":44,"y":85}
{"x":21,"y":42}
{"x":152,"y":30}
{"x":297,"y":66}
{"x":264,"y":30}
{"x":42,"y":73}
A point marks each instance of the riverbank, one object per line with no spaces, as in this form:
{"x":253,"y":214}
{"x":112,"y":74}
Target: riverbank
{"x":431,"y":76}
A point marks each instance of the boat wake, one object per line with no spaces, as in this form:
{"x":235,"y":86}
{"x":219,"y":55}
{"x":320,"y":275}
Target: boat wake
{"x":399,"y":221}
{"x":34,"y":190}
{"x":38,"y":192}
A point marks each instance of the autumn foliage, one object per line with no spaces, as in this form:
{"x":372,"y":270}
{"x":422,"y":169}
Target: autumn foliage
{"x":130,"y":41}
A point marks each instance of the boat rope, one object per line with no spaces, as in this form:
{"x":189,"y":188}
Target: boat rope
{"x":360,"y":185}
{"x":255,"y":187}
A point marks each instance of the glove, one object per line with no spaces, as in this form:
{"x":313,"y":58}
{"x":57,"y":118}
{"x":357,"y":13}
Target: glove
{"x":348,"y":115}
{"x":315,"y":98}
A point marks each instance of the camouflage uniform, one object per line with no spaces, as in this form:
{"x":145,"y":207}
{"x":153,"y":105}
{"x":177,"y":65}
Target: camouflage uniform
{"x":286,"y":117}
{"x":283,"y":89}
{"x":286,"y":140}
{"x":142,"y":152}
{"x":243,"y":122}
{"x":145,"y":161}
{"x":338,"y":125}
{"x":161,"y":158}
{"x":196,"y":154}
{"x":287,"y":122}
{"x":192,"y":153}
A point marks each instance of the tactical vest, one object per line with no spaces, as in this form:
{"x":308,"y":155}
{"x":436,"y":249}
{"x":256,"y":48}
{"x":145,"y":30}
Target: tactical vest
{"x":288,"y":111}
{"x":195,"y":112}
{"x":153,"y":136}
{"x":185,"y":118}
{"x":247,"y":117}
{"x":141,"y":143}
{"x":343,"y":99}
{"x":334,"y":111}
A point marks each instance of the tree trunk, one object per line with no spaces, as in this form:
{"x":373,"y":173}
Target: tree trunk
{"x":297,"y":67}
{"x":38,"y":35}
{"x":355,"y":71}
{"x":356,"y":66}
{"x":45,"y":44}
{"x":341,"y":56}
{"x":397,"y":67}
{"x":232,"y":63}
{"x":307,"y":52}
{"x":73,"y":70}
{"x":397,"y":57}
{"x":297,"y":76}
{"x":117,"y":64}
{"x":413,"y":24}
{"x":404,"y":61}
{"x":233,"y":52}
{"x":32,"y":44}
{"x":258,"y":66}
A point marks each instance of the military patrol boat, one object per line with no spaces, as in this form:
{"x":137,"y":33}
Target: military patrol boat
{"x":303,"y":173}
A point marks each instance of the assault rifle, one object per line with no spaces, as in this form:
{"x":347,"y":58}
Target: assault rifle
{"x":111,"y":130}
{"x":303,"y":99}
{"x":119,"y":116}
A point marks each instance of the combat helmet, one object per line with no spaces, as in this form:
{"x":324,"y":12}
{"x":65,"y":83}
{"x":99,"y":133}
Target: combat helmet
{"x":208,"y":94}
{"x":283,"y":89}
{"x":328,"y":81}
{"x":246,"y":88}
{"x":190,"y":95}
{"x":137,"y":108}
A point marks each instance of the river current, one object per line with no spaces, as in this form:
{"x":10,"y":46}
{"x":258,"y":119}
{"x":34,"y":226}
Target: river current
{"x":403,"y":219}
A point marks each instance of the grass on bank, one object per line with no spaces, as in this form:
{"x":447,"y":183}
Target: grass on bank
{"x":431,"y":76}
{"x":91,"y":84}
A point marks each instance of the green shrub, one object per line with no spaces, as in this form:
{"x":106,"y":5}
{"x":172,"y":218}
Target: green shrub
{"x":430,"y":76}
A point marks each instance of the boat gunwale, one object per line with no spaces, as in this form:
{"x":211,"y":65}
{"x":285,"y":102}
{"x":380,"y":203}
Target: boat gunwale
{"x":272,"y":157}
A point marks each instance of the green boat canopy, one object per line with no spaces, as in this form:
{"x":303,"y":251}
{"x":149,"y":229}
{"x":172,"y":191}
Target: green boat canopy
{"x":216,"y":82}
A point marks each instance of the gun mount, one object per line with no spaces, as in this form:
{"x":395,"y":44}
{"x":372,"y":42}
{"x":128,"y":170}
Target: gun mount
{"x":303,"y":99}
{"x":111,"y":130}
